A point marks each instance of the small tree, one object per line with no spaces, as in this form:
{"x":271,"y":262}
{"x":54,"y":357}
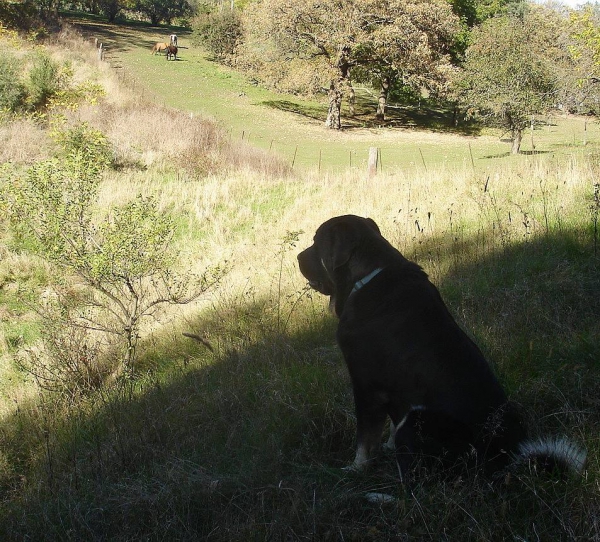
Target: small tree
{"x":122,"y":260}
{"x":220,"y":32}
{"x":12,"y":92}
{"x":43,"y":80}
{"x":580,"y":85}
{"x":110,"y":8}
{"x":507,"y":76}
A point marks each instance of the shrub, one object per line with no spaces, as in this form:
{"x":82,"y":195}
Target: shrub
{"x":22,"y":15}
{"x":43,"y":80}
{"x":121,"y":261}
{"x":220,"y":33}
{"x":71,"y":362}
{"x":11,"y":89}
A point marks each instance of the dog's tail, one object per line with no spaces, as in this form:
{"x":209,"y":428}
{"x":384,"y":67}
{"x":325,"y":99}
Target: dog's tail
{"x":553,"y":453}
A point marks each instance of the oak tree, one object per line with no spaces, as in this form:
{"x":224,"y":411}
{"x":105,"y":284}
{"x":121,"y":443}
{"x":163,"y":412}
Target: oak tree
{"x":368,"y":40}
{"x":580,"y":91}
{"x":163,"y":10}
{"x":507,"y":75}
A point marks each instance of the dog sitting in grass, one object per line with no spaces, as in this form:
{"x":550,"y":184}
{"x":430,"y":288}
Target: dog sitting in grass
{"x":408,"y":359}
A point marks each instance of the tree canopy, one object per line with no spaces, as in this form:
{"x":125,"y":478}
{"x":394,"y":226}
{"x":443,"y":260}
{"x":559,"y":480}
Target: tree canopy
{"x":508,"y":74}
{"x":162,"y":10}
{"x":370,"y":40}
{"x":582,"y":79}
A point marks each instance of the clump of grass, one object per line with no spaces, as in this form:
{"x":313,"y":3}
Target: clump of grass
{"x":146,"y":136}
{"x":595,"y":209}
{"x":24,"y":142}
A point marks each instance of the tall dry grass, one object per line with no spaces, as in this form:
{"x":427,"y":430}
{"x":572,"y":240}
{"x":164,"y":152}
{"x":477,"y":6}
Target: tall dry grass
{"x":24,"y":142}
{"x":245,"y":442}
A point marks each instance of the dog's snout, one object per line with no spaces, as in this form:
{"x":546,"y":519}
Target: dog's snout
{"x":304,"y":260}
{"x":312,"y":269}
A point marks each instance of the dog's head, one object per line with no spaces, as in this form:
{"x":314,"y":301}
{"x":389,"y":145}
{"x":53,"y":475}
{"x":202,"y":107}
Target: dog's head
{"x":342,"y":253}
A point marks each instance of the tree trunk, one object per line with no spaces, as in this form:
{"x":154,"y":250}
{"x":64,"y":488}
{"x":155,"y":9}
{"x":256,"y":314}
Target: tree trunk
{"x":337,"y":88}
{"x":351,"y":100}
{"x":383,"y":97}
{"x":455,"y":113}
{"x":517,"y":137}
{"x":335,"y":105}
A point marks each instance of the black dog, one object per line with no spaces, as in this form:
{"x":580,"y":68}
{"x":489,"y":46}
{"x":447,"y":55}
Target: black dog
{"x":408,"y":359}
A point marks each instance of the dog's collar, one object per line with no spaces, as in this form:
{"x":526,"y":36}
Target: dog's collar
{"x":360,"y":283}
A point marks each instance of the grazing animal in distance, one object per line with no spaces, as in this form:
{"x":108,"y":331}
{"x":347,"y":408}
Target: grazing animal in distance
{"x":171,"y":52}
{"x":158,"y":47}
{"x":409,"y":359}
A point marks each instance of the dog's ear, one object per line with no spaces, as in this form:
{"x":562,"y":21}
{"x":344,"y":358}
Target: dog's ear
{"x":342,"y":247}
{"x":341,"y":237}
{"x":346,"y":237}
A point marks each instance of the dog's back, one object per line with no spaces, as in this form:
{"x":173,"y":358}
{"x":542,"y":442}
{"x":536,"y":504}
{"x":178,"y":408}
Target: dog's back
{"x":397,"y":334}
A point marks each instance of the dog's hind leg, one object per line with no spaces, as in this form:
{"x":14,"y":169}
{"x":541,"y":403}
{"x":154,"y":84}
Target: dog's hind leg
{"x":433,"y":438}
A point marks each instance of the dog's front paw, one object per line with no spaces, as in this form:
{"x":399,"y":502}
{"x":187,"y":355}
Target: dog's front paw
{"x":364,"y":456}
{"x":389,"y":446}
{"x":354,"y":467}
{"x":360,"y":462}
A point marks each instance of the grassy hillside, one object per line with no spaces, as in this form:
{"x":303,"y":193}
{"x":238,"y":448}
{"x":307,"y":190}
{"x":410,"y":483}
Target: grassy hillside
{"x":293,"y":128}
{"x":247,"y":441}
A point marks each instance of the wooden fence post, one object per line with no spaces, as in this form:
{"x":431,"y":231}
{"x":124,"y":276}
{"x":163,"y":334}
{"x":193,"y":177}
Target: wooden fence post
{"x":372,"y":164}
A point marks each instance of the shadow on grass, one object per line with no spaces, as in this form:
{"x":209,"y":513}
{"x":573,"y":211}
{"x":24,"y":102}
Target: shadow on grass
{"x":534,"y":308}
{"x":246,"y":443}
{"x":124,"y":37}
{"x":311,"y":111}
{"x":508,"y":153}
{"x":406,"y":116}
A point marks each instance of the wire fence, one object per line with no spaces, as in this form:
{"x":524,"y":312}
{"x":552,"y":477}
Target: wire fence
{"x":365,"y":158}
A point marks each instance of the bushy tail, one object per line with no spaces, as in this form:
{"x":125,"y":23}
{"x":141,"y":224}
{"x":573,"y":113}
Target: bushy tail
{"x":553,"y":453}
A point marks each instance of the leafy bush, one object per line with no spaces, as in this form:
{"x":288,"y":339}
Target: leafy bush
{"x":220,"y":33}
{"x":22,"y":15}
{"x":43,"y":80}
{"x":11,"y":90}
{"x":120,"y":262}
{"x":92,"y":145}
{"x":41,"y":83}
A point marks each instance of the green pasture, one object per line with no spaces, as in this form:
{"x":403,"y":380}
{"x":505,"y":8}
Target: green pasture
{"x":293,"y":127}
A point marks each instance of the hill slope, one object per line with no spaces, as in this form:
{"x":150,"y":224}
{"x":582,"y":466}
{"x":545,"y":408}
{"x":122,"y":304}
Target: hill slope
{"x":294,"y":127}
